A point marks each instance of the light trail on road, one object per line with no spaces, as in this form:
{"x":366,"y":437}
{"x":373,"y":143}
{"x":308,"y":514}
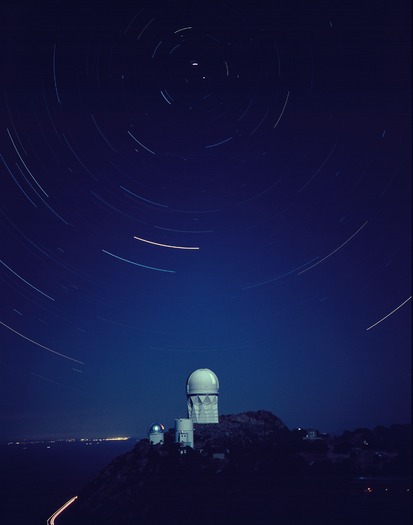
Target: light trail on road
{"x":51,"y":520}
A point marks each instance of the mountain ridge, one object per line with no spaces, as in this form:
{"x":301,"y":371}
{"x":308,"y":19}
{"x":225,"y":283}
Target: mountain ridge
{"x":249,"y":467}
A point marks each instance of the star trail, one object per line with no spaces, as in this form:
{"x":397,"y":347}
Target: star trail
{"x":222,"y":185}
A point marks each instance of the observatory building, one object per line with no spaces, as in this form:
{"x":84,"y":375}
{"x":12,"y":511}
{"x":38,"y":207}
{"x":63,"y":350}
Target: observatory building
{"x":202,"y":388}
{"x":155,"y":433}
{"x":184,"y":432}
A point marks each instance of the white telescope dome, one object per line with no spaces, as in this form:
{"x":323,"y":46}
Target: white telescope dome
{"x":202,"y":381}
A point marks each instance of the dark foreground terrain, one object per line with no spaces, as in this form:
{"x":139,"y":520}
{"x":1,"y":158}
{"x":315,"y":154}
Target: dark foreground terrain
{"x":37,"y":478}
{"x":251,"y":469}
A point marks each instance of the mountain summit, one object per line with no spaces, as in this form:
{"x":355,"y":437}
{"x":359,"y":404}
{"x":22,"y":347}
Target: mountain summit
{"x":249,"y":468}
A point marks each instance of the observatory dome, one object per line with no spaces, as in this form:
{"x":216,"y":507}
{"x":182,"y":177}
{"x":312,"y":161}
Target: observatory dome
{"x":156,"y":428}
{"x":202,"y":381}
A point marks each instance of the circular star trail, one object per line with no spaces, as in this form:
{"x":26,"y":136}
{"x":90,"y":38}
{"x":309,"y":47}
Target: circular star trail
{"x":202,"y":184}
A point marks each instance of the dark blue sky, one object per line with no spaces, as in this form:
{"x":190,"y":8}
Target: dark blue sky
{"x":272,"y":138}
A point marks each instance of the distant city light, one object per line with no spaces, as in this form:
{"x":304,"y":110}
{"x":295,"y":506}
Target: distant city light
{"x":87,"y":441}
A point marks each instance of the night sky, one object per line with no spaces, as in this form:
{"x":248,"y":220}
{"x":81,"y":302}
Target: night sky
{"x":193,"y":184}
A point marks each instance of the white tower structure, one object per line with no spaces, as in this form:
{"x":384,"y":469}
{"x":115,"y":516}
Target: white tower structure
{"x":155,"y":433}
{"x":184,"y":432}
{"x":202,"y":388}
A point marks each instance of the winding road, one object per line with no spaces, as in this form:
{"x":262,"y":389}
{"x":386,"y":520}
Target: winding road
{"x":51,"y":520}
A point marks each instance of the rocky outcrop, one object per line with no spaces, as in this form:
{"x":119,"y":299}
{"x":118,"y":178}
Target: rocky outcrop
{"x":245,"y":429}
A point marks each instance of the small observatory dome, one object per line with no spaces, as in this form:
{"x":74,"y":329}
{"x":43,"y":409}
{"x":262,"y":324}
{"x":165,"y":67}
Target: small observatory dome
{"x":156,"y":428}
{"x":202,"y":381}
{"x":155,"y":433}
